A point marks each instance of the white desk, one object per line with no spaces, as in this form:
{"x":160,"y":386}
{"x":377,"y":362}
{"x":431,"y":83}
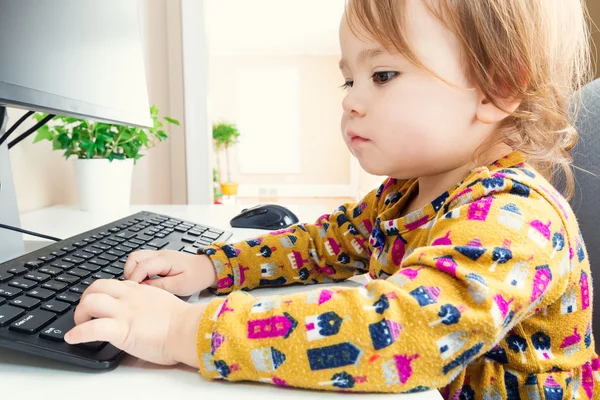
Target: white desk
{"x":136,"y":379}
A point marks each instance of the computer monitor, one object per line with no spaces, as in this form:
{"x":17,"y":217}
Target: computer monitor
{"x":79,"y":58}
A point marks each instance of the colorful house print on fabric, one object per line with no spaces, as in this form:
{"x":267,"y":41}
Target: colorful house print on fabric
{"x":485,"y":293}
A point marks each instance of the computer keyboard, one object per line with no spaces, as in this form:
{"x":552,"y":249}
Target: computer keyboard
{"x":40,"y":290}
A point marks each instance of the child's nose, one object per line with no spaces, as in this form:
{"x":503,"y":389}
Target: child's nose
{"x":354,"y":104}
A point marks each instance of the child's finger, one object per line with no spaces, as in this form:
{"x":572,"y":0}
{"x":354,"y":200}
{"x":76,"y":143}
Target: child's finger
{"x":96,"y":305}
{"x":170,"y":283}
{"x":136,"y":257}
{"x":150,"y":267}
{"x":111,"y":287}
{"x":101,"y":330}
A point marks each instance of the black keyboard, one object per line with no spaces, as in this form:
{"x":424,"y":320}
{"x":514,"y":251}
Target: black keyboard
{"x":40,"y":290}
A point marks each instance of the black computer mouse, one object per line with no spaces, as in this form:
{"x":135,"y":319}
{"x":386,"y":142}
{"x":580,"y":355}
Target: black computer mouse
{"x":266,"y":216}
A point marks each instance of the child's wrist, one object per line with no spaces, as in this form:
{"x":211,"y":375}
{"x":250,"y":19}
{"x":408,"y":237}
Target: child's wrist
{"x":184,"y":330}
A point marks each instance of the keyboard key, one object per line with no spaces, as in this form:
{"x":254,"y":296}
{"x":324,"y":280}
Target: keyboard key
{"x":55,"y":285}
{"x":121,"y":278}
{"x":118,"y":264}
{"x":122,"y":249}
{"x":103,"y":234}
{"x":25,"y":302}
{"x":83,"y":254}
{"x":109,"y":242}
{"x":87,"y":281}
{"x":102,"y":275}
{"x":63,"y":265}
{"x":108,"y":257}
{"x":58,"y":253}
{"x":90,"y":267}
{"x":68,"y":249}
{"x":80,"y":244}
{"x":181,"y":228}
{"x":47,"y":258}
{"x":145,"y":238}
{"x":211,"y":235}
{"x":34,"y":264}
{"x":146,"y":247}
{"x":37,"y":276}
{"x":93,"y":250}
{"x":58,"y":328}
{"x":117,"y":239}
{"x":9,"y":292}
{"x":89,"y":240}
{"x":68,"y":279}
{"x":111,"y":270}
{"x":56,"y":306}
{"x":137,"y":241}
{"x":96,"y":237}
{"x":114,"y":230}
{"x":135,"y":229}
{"x":42,"y":294}
{"x":132,"y":246}
{"x":51,"y":270}
{"x":78,"y":289}
{"x":125,"y":235}
{"x":9,"y":314}
{"x":5,"y":276}
{"x":73,"y":260}
{"x":115,"y":252}
{"x":69,"y":297}
{"x":159,"y":244}
{"x":33,"y":321}
{"x":189,"y":250}
{"x":194,"y":232}
{"x":93,"y":346}
{"x":79,"y":272}
{"x":123,"y":226}
{"x":17,"y":270}
{"x":188,"y":239}
{"x":102,"y":247}
{"x":22,"y":283}
{"x":99,"y":261}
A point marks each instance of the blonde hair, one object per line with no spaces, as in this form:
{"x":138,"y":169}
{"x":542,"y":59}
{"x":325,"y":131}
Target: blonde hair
{"x":535,"y":51}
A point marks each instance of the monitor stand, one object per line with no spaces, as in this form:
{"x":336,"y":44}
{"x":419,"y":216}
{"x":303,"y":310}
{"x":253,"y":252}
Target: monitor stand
{"x":11,"y":243}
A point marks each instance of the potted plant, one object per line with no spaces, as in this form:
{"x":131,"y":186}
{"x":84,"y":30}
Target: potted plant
{"x":104,"y":155}
{"x":225,"y":135}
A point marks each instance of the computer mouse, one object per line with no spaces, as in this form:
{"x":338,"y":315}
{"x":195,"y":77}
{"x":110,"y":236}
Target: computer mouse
{"x":266,"y":216}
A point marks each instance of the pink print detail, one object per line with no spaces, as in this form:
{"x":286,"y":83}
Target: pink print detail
{"x":224,"y":308}
{"x":368,"y":226}
{"x":388,"y":184}
{"x":225,"y":283}
{"x":283,"y":231}
{"x":587,"y":379}
{"x":398,"y":251}
{"x":541,"y":280}
{"x":296,"y":259}
{"x":404,"y":368}
{"x":479,"y":210}
{"x":333,"y":247}
{"x":544,"y":230}
{"x":410,"y":273}
{"x":503,"y":305}
{"x":447,"y":265}
{"x":585,"y":290}
{"x":418,"y":223}
{"x":278,"y":326}
{"x":444,"y":241}
{"x":279,"y":382}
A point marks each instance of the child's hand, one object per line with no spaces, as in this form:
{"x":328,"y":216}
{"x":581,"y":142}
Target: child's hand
{"x":141,"y":320}
{"x":181,"y":274}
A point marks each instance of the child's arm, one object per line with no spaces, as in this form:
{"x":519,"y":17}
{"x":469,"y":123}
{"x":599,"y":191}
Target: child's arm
{"x":334,"y":248}
{"x":447,"y":305}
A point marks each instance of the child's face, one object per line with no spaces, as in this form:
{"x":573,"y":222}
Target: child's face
{"x":409,"y":123}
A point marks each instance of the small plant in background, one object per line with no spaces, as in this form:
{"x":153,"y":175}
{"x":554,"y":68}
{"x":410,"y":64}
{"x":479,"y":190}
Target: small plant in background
{"x":225,"y":135}
{"x":216,"y":188}
{"x":93,"y":140}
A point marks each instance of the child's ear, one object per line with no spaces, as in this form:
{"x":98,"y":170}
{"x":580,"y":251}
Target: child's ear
{"x":489,"y":113}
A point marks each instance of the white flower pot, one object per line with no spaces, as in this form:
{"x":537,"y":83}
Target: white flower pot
{"x":104,"y":185}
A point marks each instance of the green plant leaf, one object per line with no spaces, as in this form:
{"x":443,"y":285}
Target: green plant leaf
{"x":153,"y":110}
{"x":88,"y":146}
{"x":172,"y":121}
{"x":43,"y":133}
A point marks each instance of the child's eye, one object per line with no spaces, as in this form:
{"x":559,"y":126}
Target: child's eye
{"x":384,"y":77}
{"x":347,"y":85}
